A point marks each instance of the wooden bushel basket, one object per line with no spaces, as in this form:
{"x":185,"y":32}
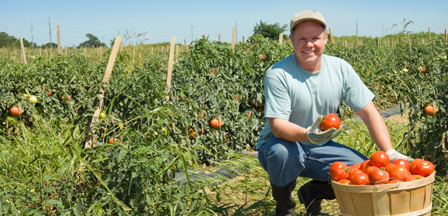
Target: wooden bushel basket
{"x":398,"y":199}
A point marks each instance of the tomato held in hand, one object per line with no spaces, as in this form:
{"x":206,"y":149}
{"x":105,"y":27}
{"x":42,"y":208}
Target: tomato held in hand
{"x":379,"y":159}
{"x":338,"y":171}
{"x":331,"y":120}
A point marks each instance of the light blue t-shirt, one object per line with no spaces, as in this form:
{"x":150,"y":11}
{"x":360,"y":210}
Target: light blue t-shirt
{"x":300,"y":96}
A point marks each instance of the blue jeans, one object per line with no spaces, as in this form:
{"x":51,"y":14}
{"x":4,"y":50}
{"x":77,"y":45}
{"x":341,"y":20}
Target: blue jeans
{"x":285,"y":161}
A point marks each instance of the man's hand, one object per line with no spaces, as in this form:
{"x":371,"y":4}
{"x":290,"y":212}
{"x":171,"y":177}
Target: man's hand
{"x":394,"y":155}
{"x":316,"y":135}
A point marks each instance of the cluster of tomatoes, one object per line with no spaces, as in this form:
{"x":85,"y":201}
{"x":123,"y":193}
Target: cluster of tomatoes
{"x":379,"y":170}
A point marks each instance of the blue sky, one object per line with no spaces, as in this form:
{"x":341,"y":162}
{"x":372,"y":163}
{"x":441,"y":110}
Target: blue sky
{"x":165,"y":19}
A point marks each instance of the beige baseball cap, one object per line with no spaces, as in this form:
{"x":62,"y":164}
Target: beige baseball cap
{"x":305,"y":16}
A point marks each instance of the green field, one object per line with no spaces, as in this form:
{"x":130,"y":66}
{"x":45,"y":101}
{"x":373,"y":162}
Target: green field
{"x":45,"y":169}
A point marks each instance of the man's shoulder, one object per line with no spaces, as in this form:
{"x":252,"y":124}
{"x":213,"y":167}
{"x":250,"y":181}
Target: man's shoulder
{"x":334,"y":59}
{"x":283,"y":66}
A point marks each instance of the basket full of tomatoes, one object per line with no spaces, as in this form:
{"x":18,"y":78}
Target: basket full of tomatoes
{"x":380,"y":187}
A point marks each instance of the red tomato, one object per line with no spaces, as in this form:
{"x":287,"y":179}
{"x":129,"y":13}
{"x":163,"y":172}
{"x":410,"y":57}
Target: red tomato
{"x":402,"y":162}
{"x":414,"y":164}
{"x":388,"y":166}
{"x":392,"y":181}
{"x":410,"y":178}
{"x":331,"y":120}
{"x":353,"y":173}
{"x":338,"y":171}
{"x":430,"y":110}
{"x":15,"y":111}
{"x":365,"y":165}
{"x":418,"y":177}
{"x":360,"y":179}
{"x":379,"y":159}
{"x":370,"y":169}
{"x":424,"y":168}
{"x":344,"y":182}
{"x":215,"y":123}
{"x":358,"y":165}
{"x":399,"y":172}
{"x":378,"y":176}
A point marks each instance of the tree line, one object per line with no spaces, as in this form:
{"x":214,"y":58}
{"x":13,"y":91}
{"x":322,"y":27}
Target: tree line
{"x":263,"y":28}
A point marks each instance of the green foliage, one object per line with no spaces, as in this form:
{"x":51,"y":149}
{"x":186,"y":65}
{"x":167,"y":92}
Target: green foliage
{"x":271,"y":31}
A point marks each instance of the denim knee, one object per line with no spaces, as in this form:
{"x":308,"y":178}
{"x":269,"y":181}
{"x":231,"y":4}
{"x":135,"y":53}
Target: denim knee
{"x":282,"y":160}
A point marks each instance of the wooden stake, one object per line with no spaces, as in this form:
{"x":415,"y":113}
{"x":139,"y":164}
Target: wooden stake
{"x":186,"y":45}
{"x":219,"y":37}
{"x":170,"y":66}
{"x":177,"y":52}
{"x":99,"y":105}
{"x":133,"y":54}
{"x":280,"y":38}
{"x":244,"y":40}
{"x":99,"y":53}
{"x":22,"y":53}
{"x":233,"y":39}
{"x":203,"y":36}
{"x":59,"y":39}
{"x":409,"y":42}
{"x":331,"y":36}
{"x":429,"y":33}
{"x":446,"y":36}
{"x":65,"y":49}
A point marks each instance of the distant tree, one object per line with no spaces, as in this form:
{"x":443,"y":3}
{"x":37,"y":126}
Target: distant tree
{"x":270,"y":30}
{"x":47,"y":45}
{"x":92,"y":42}
{"x":7,"y":40}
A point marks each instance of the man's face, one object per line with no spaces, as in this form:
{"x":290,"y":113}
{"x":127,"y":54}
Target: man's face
{"x":309,"y":40}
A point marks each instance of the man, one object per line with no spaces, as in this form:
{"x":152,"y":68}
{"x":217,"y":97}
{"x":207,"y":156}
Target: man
{"x":299,"y":91}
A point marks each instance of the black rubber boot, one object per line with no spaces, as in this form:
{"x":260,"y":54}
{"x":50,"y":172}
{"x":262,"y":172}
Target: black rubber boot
{"x":285,"y":202}
{"x":311,"y":195}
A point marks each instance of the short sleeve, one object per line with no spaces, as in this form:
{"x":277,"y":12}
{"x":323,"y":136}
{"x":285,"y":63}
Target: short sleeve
{"x":277,"y":99}
{"x":356,"y":95}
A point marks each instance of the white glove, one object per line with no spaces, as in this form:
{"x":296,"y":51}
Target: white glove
{"x":316,"y":135}
{"x":394,"y":155}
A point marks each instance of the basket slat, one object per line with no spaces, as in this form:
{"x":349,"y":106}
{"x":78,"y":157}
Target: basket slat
{"x":401,"y":199}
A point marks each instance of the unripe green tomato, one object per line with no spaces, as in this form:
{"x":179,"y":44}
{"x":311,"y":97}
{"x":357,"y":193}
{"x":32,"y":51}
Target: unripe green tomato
{"x":11,"y":120}
{"x":103,"y":115}
{"x":33,"y":99}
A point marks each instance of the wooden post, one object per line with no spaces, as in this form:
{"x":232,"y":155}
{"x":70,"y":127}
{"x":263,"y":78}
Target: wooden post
{"x":331,"y":36}
{"x":59,"y":39}
{"x":429,"y":34}
{"x":22,"y":51}
{"x":40,"y":51}
{"x":280,"y":38}
{"x":170,"y":66}
{"x":409,"y":42}
{"x":244,"y":40}
{"x":186,"y":45}
{"x":203,"y":36}
{"x":233,"y":39}
{"x":99,"y":105}
{"x":65,"y":49}
{"x":219,"y":37}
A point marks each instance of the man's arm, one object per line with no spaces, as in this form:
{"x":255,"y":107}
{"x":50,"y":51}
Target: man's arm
{"x":284,"y":129}
{"x":377,"y":128}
